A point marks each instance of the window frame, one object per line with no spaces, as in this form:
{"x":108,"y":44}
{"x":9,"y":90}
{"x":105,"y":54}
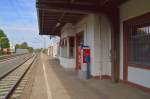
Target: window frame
{"x":143,"y":20}
{"x":71,"y":45}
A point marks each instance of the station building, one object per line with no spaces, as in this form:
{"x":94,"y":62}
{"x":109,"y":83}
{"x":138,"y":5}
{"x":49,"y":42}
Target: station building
{"x":117,"y":32}
{"x":53,"y":50}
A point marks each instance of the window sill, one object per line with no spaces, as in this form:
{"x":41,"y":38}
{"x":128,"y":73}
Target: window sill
{"x":67,"y":57}
{"x":139,"y":66}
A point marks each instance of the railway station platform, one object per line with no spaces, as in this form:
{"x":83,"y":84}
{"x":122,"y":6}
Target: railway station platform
{"x":48,"y":80}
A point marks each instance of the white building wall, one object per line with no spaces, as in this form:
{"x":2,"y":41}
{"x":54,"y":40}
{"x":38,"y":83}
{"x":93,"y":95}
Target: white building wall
{"x":102,"y":45}
{"x":87,"y":25}
{"x":55,"y":50}
{"x":131,"y":9}
{"x":97,"y":35}
{"x":12,"y":47}
{"x":139,"y":76}
{"x":67,"y":62}
{"x":21,"y":51}
{"x":49,"y":52}
{"x":67,"y":30}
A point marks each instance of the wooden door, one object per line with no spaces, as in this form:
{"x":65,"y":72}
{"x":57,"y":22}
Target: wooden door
{"x":79,"y":41}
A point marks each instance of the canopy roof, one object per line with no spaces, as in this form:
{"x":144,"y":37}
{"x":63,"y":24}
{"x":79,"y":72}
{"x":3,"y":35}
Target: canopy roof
{"x":53,"y":14}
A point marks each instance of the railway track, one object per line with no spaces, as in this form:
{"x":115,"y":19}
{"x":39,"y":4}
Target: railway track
{"x":10,"y":80}
{"x":2,"y":59}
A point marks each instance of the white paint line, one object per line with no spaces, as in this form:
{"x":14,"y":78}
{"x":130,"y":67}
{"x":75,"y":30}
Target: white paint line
{"x":49,"y":94}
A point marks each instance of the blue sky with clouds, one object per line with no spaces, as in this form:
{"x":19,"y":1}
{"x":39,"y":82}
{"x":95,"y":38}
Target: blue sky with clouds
{"x":18,"y":19}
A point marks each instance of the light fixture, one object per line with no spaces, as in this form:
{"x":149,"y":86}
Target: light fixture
{"x":58,"y":24}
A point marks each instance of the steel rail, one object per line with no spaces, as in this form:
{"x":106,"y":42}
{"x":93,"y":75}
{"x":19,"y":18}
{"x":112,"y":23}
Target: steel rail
{"x":12,"y":87}
{"x":10,"y":57}
{"x":20,"y":79}
{"x":7,"y":73}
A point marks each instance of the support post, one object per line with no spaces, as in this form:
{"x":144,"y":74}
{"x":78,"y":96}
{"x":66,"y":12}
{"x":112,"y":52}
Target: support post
{"x":113,"y":16}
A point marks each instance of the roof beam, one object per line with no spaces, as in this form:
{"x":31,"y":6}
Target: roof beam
{"x":71,"y":8}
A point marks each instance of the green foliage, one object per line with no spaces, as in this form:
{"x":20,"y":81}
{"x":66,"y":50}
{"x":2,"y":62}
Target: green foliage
{"x":30,"y":49}
{"x":24,"y":45}
{"x":38,"y":50}
{"x":2,"y":34}
{"x":4,"y":42}
{"x":17,"y":46}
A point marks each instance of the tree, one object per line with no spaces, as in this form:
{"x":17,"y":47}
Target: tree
{"x":2,"y":34}
{"x":24,"y":45}
{"x":17,"y":46}
{"x":30,"y":49}
{"x":4,"y":42}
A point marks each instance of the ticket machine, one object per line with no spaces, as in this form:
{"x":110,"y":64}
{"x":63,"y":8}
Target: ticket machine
{"x":86,"y":55}
{"x":84,"y":62}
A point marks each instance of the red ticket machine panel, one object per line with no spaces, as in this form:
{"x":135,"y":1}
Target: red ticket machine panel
{"x":86,"y":55}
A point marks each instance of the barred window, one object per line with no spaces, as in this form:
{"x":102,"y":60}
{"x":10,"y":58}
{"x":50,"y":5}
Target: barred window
{"x":138,"y":40}
{"x":72,"y":47}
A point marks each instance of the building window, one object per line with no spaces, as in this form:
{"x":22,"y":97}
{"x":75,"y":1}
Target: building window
{"x":67,"y":47}
{"x":63,"y":47}
{"x":139,"y":45}
{"x":71,"y":47}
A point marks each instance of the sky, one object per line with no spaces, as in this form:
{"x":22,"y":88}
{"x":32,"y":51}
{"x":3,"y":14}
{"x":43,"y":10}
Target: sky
{"x":18,"y":19}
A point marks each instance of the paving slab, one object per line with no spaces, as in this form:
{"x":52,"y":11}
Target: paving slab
{"x":51,"y":81}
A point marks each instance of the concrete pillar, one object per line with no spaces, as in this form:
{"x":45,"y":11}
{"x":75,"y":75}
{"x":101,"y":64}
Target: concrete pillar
{"x":68,"y":47}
